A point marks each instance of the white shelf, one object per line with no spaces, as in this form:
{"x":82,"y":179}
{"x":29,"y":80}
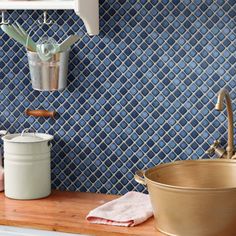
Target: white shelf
{"x":34,"y":5}
{"x":87,"y":10}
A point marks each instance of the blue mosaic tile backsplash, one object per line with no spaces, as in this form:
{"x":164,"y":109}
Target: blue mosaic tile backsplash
{"x":139,"y":94}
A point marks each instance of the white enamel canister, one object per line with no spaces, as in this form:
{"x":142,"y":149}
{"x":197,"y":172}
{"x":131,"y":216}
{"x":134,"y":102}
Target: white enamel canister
{"x":27,"y":170}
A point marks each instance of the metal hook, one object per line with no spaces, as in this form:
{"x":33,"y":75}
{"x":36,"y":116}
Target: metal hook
{"x":45,"y":20}
{"x":4,"y":21}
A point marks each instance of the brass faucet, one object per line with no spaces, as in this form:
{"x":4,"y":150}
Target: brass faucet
{"x":230,"y":151}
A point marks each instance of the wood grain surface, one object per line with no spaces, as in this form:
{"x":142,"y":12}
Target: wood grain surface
{"x":40,"y":113}
{"x":66,"y":212}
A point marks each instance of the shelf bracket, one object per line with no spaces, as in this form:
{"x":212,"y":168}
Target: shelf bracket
{"x":88,"y":11}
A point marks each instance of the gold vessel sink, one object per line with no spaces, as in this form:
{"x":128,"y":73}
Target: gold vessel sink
{"x":193,"y":198}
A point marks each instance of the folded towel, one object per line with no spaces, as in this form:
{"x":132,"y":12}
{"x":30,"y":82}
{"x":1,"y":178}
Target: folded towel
{"x":129,"y":210}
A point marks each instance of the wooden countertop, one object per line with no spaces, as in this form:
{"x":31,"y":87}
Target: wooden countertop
{"x":66,"y":212}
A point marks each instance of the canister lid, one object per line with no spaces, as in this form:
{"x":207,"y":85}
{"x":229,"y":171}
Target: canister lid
{"x":27,"y":138}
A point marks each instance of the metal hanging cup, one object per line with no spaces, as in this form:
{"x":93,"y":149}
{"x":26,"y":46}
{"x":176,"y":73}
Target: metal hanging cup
{"x":49,"y":75}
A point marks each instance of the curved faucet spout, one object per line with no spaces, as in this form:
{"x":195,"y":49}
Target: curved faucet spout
{"x":219,"y":106}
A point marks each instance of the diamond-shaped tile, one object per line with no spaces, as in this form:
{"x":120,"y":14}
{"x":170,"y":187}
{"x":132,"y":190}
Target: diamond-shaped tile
{"x":139,"y":94}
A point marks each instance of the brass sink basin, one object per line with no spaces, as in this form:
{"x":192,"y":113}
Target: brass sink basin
{"x":193,"y":198}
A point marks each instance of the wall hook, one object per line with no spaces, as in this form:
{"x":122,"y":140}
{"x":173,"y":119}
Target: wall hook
{"x":4,"y":21}
{"x":45,"y":20}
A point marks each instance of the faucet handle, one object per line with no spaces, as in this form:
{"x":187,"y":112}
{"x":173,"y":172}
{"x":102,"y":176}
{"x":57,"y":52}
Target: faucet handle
{"x":213,"y":147}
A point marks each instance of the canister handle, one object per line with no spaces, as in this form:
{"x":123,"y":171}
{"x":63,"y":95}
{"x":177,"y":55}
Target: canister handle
{"x":27,"y":131}
{"x":139,"y":177}
{"x":3,"y":133}
{"x":50,"y":144}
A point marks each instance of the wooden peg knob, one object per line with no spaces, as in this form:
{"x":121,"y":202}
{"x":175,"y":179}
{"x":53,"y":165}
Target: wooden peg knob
{"x":40,"y":113}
